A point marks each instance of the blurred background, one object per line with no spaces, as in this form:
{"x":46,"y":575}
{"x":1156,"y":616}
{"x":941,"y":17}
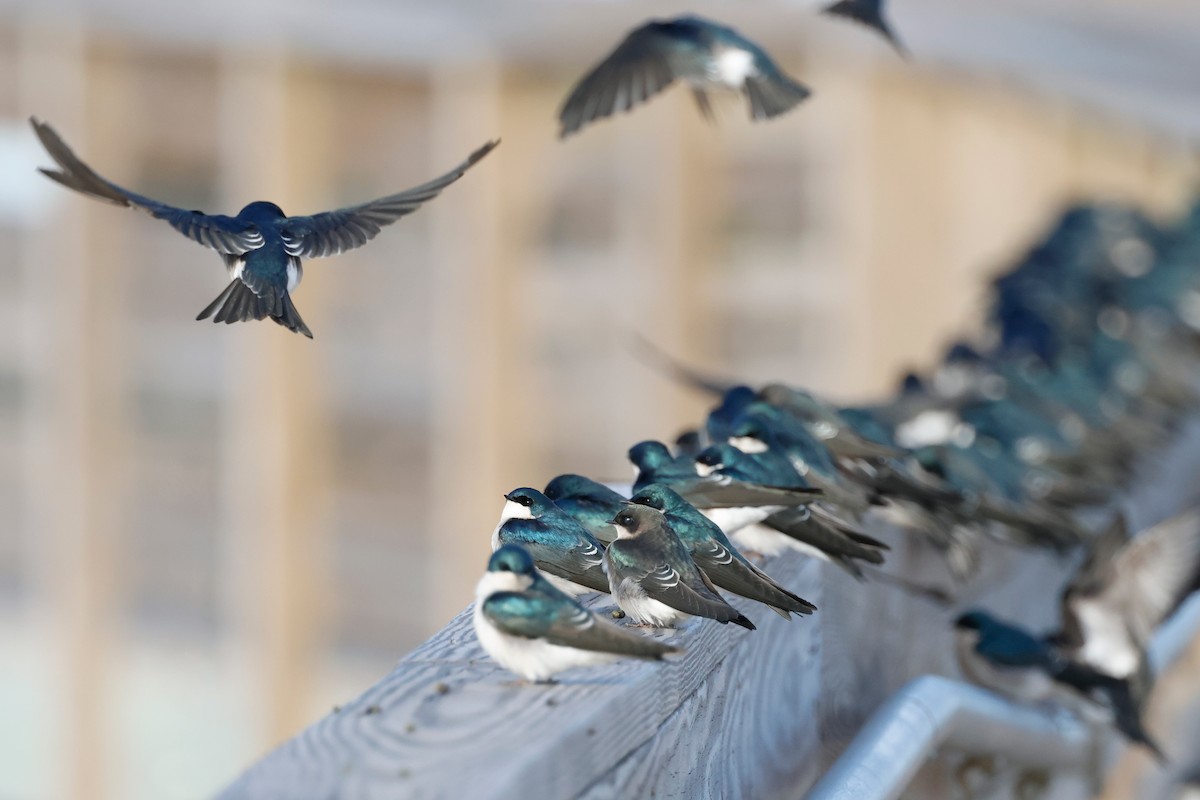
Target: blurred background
{"x":210,"y":535}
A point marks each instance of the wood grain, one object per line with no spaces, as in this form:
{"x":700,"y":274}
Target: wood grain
{"x":741,"y":714}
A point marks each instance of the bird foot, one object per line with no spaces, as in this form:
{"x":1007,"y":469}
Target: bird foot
{"x":1031,"y":784}
{"x":974,"y":773}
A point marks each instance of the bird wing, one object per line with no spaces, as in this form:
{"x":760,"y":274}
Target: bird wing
{"x":690,"y":593}
{"x":720,"y":565}
{"x":1106,"y":547}
{"x":224,"y":234}
{"x":869,"y":13}
{"x":647,"y":61}
{"x":333,"y":232}
{"x":667,"y":586}
{"x":571,"y":557}
{"x":1147,"y":579}
{"x":726,"y":492}
{"x":559,"y":620}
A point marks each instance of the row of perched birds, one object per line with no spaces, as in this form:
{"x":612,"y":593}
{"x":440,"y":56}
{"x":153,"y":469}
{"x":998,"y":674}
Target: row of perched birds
{"x":262,"y":248}
{"x":1088,"y":363}
{"x":1090,"y":360}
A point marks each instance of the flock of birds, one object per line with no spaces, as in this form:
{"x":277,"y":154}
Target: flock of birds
{"x":1089,"y":361}
{"x":262,"y":247}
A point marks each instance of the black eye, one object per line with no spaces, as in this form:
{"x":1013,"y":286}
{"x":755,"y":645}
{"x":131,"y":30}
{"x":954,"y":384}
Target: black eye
{"x":525,"y":501}
{"x":505,"y":568}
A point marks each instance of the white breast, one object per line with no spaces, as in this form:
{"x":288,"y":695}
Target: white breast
{"x":748,"y":444}
{"x":565,"y":586}
{"x":768,"y":542}
{"x":732,"y":520}
{"x":732,"y":67}
{"x":646,"y":610}
{"x":1106,"y":643}
{"x":511,"y":510}
{"x":927,"y":428}
{"x":532,"y":659}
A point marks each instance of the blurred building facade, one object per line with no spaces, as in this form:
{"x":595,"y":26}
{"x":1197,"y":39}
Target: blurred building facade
{"x":210,"y":534}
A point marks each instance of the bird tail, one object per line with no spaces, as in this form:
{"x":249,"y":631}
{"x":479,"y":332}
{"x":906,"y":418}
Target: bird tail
{"x":290,"y":318}
{"x":1128,"y":717}
{"x":772,"y":95}
{"x":239,"y":303}
{"x":703,"y":103}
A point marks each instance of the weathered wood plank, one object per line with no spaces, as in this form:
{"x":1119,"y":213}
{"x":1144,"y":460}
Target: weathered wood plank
{"x":741,"y":714}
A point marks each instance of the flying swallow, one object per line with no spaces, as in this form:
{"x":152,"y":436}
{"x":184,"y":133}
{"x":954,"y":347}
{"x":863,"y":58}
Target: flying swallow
{"x":716,"y":556}
{"x":653,"y":577}
{"x":262,"y":247}
{"x":536,"y":631}
{"x":1125,"y":589}
{"x":869,"y":13}
{"x":572,"y":558}
{"x":703,"y":54}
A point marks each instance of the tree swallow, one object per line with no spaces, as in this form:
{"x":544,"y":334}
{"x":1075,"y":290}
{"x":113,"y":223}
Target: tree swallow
{"x":716,"y":556}
{"x":869,"y":13}
{"x":262,"y":247}
{"x":814,"y":529}
{"x":1124,"y":591}
{"x":536,"y":631}
{"x":592,"y":504}
{"x":572,"y":558}
{"x":702,"y":53}
{"x":652,"y":575}
{"x":715,"y":494}
{"x":1013,"y":662}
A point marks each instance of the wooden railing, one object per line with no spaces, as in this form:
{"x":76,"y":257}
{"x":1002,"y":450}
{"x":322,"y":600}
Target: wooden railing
{"x":741,"y":714}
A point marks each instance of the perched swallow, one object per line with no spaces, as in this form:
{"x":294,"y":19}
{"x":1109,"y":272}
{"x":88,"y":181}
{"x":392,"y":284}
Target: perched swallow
{"x":652,"y":575}
{"x":717,"y":495}
{"x":716,"y":556}
{"x":869,"y":13}
{"x":592,"y":504}
{"x":572,"y":558}
{"x":689,"y":48}
{"x":536,"y":631}
{"x":262,"y":247}
{"x":1009,"y":660}
{"x":813,"y":529}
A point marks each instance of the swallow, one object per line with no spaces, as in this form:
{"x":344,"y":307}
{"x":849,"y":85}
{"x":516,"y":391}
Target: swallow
{"x":1125,"y":589}
{"x":534,"y":630}
{"x":592,"y":504}
{"x":697,"y":51}
{"x":812,"y":529}
{"x":1014,"y":662}
{"x":262,"y":247}
{"x":869,"y":13}
{"x":716,"y":556}
{"x":653,"y":578}
{"x":730,"y":501}
{"x":572,"y":558}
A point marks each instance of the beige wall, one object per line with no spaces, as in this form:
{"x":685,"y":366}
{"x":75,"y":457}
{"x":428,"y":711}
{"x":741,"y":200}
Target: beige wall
{"x":219,"y":532}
